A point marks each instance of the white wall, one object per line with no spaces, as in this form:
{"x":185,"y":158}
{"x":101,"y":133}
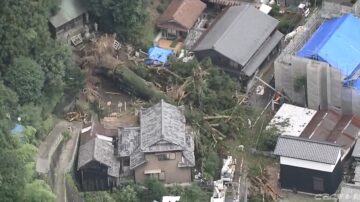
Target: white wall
{"x":308,"y":164}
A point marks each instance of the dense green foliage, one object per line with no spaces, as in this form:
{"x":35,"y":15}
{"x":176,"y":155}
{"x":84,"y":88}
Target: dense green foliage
{"x":126,"y":17}
{"x":149,"y":191}
{"x":211,"y":164}
{"x":34,"y":72}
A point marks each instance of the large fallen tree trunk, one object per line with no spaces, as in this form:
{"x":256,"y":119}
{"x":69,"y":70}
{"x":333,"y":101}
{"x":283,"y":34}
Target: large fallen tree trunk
{"x":130,"y":81}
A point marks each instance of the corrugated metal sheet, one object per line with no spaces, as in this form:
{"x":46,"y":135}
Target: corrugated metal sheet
{"x":305,"y":149}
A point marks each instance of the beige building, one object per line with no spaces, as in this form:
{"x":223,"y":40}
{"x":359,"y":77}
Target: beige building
{"x":162,"y":147}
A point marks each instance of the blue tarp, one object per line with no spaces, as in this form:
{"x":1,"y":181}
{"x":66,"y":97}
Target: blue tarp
{"x":159,"y":54}
{"x":17,"y":129}
{"x":337,"y":42}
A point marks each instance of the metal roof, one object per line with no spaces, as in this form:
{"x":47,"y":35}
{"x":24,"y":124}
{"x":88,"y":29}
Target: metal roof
{"x":305,"y":149}
{"x":238,"y":33}
{"x":292,"y":120}
{"x":69,"y":9}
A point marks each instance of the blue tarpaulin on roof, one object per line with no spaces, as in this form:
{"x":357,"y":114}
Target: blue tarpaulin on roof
{"x":159,"y":54}
{"x":337,"y":42}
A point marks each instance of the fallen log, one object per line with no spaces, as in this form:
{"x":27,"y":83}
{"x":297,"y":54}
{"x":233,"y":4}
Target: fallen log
{"x":133,"y":83}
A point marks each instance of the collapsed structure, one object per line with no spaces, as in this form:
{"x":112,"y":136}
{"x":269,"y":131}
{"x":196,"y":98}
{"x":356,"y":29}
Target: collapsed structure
{"x":161,"y":147}
{"x":319,"y":68}
{"x":312,"y":147}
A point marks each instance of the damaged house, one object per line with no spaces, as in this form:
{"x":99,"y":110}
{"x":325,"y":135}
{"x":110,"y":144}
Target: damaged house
{"x":240,"y":41}
{"x":161,"y":147}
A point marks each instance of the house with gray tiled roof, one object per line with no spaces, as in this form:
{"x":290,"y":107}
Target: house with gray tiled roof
{"x":240,"y":40}
{"x":162,"y":146}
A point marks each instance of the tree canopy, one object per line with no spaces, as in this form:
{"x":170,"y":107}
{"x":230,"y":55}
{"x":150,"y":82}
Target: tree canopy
{"x":126,"y":17}
{"x":35,"y":70}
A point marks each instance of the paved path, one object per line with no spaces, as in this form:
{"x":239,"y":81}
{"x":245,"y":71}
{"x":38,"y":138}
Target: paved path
{"x":48,"y":147}
{"x":65,"y":158}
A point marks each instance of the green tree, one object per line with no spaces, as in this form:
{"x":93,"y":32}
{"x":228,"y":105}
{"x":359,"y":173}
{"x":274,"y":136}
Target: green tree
{"x":12,"y":176}
{"x":211,"y":164}
{"x":26,"y":78}
{"x":125,"y":17}
{"x":8,"y":103}
{"x":194,"y":194}
{"x":154,"y":190}
{"x":37,"y":191}
{"x":126,"y":194}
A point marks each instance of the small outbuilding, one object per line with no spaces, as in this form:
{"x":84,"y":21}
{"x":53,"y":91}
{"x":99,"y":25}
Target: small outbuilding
{"x":71,"y":16}
{"x":308,"y":165}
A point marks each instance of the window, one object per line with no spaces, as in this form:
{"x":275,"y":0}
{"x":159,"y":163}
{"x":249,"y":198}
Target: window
{"x":166,"y":156}
{"x":318,"y":184}
{"x":153,"y":173}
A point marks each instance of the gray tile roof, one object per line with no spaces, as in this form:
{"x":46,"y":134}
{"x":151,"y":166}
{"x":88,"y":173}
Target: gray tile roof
{"x":69,"y":9}
{"x":356,"y":151}
{"x":162,"y":122}
{"x":239,"y":33}
{"x":261,"y":54}
{"x":137,"y":158}
{"x":129,"y":140}
{"x":101,"y":151}
{"x":306,"y":149}
{"x":162,"y":129}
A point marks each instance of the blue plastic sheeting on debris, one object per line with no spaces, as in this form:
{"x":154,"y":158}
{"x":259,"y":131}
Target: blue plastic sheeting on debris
{"x":17,"y":129}
{"x":336,"y":42}
{"x":159,"y":54}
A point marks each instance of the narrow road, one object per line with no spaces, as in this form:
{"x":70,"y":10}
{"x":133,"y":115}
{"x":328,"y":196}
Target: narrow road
{"x":65,"y":158}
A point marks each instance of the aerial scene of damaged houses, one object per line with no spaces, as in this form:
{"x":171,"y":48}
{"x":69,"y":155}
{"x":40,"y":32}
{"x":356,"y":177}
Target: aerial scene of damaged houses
{"x":311,"y":75}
